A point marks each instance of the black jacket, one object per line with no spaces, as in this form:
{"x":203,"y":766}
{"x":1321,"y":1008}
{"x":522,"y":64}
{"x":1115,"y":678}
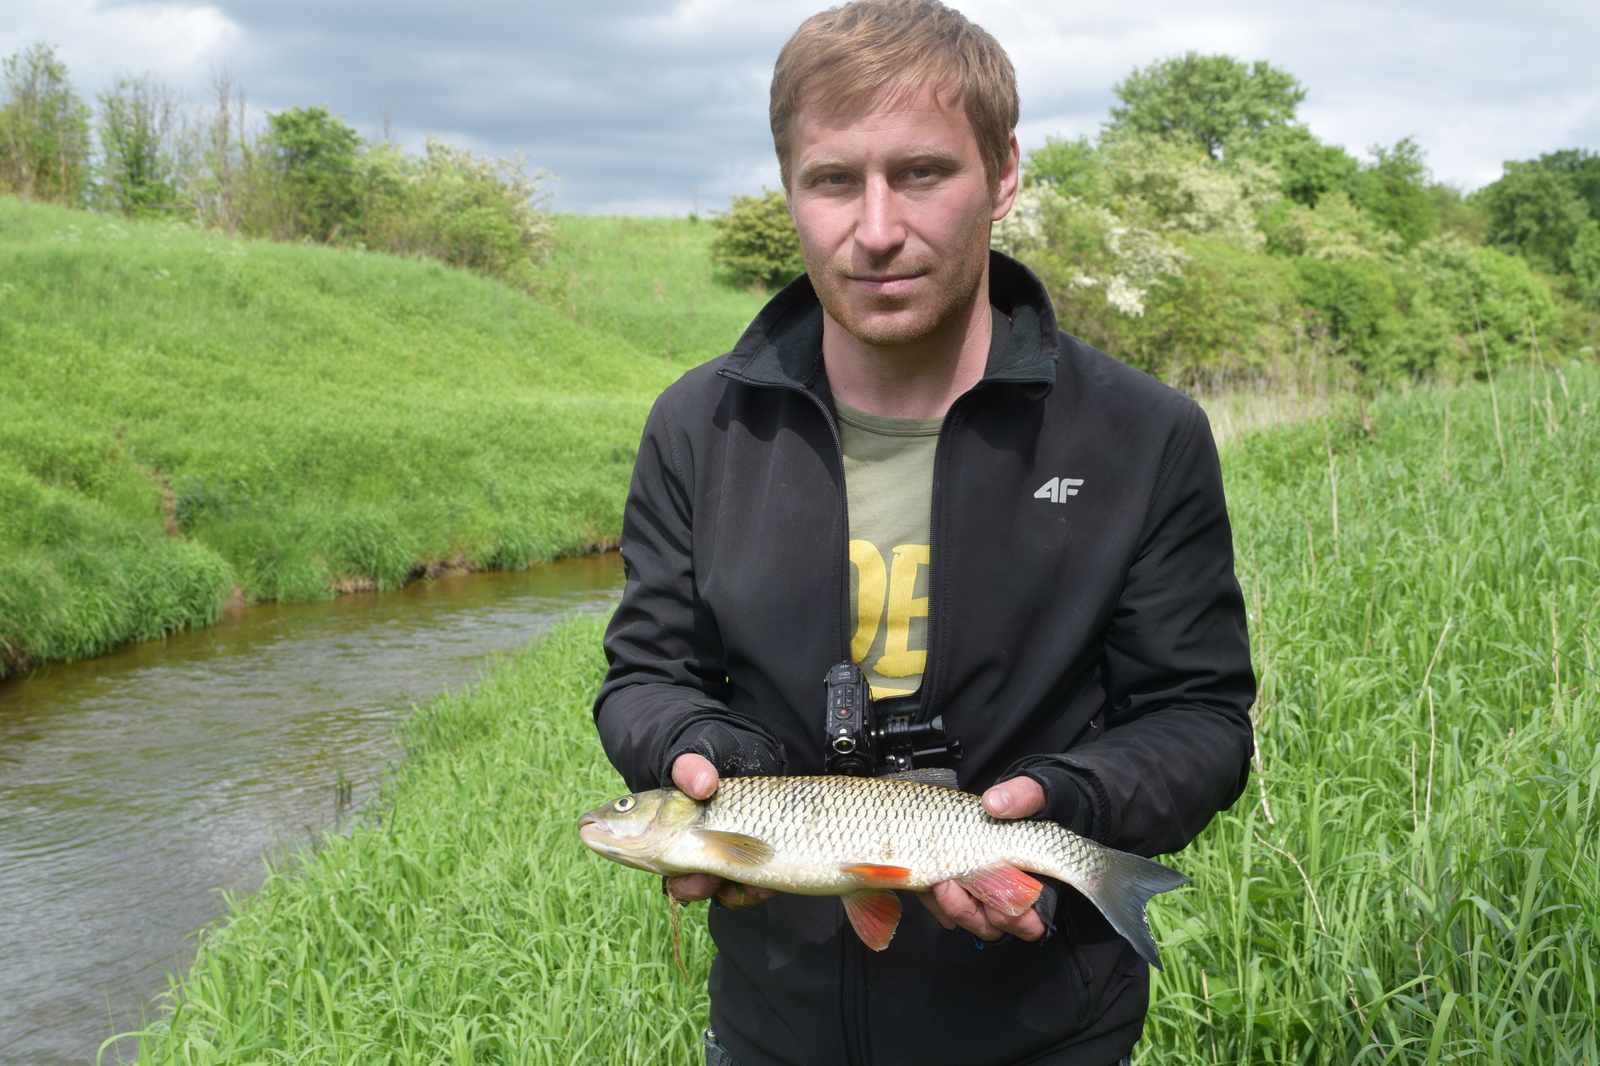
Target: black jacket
{"x":1101,"y":631}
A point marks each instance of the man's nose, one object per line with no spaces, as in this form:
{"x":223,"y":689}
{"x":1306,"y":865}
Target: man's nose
{"x":881,"y":227}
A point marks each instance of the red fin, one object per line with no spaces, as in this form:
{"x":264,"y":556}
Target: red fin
{"x":876,"y":875}
{"x":1003,"y":887}
{"x":874,"y":914}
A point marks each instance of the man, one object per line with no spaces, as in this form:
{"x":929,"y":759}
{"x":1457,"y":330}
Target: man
{"x":903,"y":463}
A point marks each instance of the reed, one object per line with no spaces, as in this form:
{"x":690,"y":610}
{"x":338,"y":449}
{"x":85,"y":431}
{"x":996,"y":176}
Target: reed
{"x":1410,"y":877}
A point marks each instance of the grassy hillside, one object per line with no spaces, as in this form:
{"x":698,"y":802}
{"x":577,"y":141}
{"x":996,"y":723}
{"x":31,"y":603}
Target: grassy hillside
{"x":1409,"y":879}
{"x":184,"y":411}
{"x":650,"y":280}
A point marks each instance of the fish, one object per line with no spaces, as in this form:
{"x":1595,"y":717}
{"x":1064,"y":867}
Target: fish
{"x":862,"y":838}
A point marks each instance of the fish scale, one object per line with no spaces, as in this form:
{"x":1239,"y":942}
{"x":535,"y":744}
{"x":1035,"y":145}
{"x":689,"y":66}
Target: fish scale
{"x":861,"y":838}
{"x":818,"y":823}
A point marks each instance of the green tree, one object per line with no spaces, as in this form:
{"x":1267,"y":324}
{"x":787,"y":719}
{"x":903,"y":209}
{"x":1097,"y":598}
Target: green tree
{"x":1584,"y":258}
{"x":1582,"y":169}
{"x":1217,"y":102}
{"x":1307,"y":169}
{"x":757,"y":242}
{"x":1071,"y":167}
{"x":44,"y":129}
{"x":1394,"y":190}
{"x":1536,"y":213}
{"x":315,"y":156}
{"x":136,"y":168}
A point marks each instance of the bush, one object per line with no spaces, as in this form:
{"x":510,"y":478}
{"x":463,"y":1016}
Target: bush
{"x":1535,"y":213}
{"x":44,"y":130}
{"x":469,"y":211}
{"x":314,"y":158}
{"x":757,"y":243}
{"x":136,"y":168}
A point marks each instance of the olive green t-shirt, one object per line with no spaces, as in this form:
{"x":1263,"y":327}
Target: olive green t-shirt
{"x":888,"y":477}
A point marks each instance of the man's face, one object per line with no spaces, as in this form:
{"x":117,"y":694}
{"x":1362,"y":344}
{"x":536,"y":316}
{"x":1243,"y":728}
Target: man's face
{"x":893,"y":209}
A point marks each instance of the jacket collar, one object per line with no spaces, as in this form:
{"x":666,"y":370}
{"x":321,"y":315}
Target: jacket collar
{"x":783,"y":346}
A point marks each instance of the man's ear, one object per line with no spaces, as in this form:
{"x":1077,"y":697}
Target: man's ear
{"x":1005,"y":187}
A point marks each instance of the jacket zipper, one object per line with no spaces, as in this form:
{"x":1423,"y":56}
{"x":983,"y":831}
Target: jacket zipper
{"x":844,"y":497}
{"x":925,"y":697}
{"x":853,"y":985}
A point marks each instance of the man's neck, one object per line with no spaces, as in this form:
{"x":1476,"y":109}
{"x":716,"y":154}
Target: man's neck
{"x":918,"y":380}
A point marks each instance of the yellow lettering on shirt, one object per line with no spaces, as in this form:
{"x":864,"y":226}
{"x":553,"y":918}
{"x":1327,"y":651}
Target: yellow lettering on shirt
{"x":898,"y":660}
{"x":871,"y":583}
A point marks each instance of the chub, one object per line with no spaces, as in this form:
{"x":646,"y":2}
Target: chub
{"x":863,"y":838}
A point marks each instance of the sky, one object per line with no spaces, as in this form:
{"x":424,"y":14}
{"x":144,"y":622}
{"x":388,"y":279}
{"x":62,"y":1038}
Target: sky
{"x":659,"y":107}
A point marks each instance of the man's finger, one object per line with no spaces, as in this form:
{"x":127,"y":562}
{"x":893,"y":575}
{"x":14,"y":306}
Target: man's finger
{"x":965,"y":911}
{"x":932,"y":903}
{"x":694,"y":775}
{"x":1020,"y":797}
{"x":1025,"y":926}
{"x":732,"y":894}
{"x":690,"y":888}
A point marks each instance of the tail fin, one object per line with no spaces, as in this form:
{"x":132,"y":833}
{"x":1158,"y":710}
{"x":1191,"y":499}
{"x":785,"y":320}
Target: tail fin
{"x":1124,"y":885}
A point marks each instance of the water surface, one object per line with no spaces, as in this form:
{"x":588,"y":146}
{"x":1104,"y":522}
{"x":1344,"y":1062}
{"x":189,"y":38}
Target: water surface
{"x":136,"y":787}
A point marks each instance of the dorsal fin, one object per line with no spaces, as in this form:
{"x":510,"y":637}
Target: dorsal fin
{"x":938,"y":776}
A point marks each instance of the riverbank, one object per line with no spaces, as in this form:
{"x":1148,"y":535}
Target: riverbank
{"x":1409,"y":877}
{"x":186,"y":414}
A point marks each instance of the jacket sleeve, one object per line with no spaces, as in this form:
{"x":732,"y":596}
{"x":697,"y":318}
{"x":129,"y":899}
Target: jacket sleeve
{"x":1178,"y":739}
{"x":666,"y":680}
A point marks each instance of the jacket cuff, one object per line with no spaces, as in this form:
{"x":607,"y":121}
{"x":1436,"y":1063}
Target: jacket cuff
{"x":1065,"y":801}
{"x":736,"y":746}
{"x":1074,"y":797}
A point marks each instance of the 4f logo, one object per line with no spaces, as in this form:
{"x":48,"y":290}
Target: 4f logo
{"x":1057,"y":489}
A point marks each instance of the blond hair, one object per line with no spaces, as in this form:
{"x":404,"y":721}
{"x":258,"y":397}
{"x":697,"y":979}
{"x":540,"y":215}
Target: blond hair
{"x":872,"y":50}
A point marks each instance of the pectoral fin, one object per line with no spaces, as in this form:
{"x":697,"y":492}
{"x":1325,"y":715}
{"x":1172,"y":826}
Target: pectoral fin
{"x":874,"y":914}
{"x":1002,"y":886}
{"x":735,"y":848}
{"x":877,"y":875}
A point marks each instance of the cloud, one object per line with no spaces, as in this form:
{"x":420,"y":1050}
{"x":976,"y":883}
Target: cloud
{"x":647,"y":105}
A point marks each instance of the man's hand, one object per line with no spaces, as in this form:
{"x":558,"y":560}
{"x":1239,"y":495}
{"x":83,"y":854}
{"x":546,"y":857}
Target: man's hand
{"x":1020,"y":797}
{"x":695,"y":776}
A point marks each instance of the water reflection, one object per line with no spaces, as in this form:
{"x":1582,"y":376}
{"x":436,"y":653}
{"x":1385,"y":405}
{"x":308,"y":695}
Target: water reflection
{"x":136,"y":786}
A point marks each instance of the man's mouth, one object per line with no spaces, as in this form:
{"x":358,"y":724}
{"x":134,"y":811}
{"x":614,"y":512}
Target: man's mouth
{"x":886,"y":284}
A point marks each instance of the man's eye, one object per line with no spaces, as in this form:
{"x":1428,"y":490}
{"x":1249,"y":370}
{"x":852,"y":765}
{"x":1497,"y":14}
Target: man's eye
{"x":836,"y":179}
{"x":921,"y":172}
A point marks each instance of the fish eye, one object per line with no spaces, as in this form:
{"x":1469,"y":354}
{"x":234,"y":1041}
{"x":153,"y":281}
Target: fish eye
{"x":624,"y":804}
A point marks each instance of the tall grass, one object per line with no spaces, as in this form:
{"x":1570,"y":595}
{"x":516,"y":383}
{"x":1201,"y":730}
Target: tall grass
{"x":652,"y":282}
{"x":1411,"y":877}
{"x":465,"y":922}
{"x":304,"y":418}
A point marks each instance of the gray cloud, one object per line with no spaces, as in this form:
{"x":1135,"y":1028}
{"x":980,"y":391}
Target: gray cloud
{"x":642,"y":105}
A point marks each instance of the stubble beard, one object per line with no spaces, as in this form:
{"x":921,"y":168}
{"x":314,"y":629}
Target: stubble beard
{"x":953,"y":283}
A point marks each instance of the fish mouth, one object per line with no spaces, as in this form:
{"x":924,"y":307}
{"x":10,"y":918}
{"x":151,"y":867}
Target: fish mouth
{"x":602,"y":841}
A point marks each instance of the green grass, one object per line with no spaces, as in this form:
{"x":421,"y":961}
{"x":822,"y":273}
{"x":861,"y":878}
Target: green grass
{"x":650,"y":280}
{"x":302,"y":417}
{"x":465,"y":923}
{"x":1411,"y":877}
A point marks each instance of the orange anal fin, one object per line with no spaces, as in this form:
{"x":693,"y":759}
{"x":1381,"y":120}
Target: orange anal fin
{"x":877,"y":875}
{"x":874,"y":914}
{"x":1003,"y":887}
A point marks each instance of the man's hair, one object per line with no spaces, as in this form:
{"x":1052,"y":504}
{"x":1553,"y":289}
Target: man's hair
{"x":860,"y":52}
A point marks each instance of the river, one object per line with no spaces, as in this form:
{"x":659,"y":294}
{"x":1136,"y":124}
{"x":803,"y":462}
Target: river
{"x":137,"y":787}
